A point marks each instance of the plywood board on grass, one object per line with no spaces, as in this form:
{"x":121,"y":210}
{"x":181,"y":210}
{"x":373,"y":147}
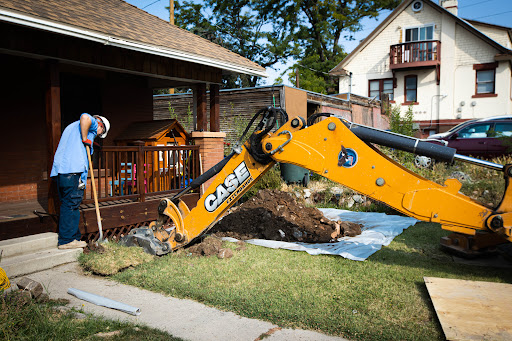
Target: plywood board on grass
{"x":471,"y":310}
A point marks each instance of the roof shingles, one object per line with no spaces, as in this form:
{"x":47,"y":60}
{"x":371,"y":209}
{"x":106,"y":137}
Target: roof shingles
{"x":124,"y":21}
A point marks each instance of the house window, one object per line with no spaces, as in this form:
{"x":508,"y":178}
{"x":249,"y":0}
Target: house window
{"x":419,"y":33}
{"x":419,"y":49}
{"x":377,"y":87}
{"x":485,"y":83}
{"x":411,"y":89}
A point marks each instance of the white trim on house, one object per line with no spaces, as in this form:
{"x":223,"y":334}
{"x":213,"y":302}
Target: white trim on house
{"x":51,"y":26}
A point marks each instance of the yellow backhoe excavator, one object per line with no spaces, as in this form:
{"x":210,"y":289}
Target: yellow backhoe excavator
{"x":343,"y":152}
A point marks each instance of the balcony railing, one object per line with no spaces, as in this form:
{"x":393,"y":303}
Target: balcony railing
{"x":139,"y":172}
{"x":415,"y":54}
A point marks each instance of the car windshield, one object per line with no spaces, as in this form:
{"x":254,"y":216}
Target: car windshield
{"x":459,"y":125}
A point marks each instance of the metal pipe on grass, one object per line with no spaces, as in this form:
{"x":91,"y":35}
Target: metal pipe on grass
{"x":103,"y":301}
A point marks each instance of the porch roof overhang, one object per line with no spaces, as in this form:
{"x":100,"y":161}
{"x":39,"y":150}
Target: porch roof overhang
{"x":22,"y":19}
{"x":503,"y":56}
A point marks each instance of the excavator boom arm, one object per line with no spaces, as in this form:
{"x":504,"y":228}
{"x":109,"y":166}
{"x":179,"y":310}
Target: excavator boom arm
{"x":330,"y":148}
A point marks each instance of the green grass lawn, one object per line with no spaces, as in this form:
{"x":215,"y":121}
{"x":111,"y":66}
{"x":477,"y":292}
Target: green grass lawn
{"x":22,"y":319}
{"x":382,"y":298}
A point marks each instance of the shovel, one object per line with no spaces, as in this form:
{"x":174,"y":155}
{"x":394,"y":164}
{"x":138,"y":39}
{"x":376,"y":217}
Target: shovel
{"x":95,"y":194}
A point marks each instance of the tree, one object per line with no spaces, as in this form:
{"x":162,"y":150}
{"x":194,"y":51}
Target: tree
{"x":317,"y":27}
{"x":271,"y":31}
{"x":313,"y":73}
{"x":238,"y":27}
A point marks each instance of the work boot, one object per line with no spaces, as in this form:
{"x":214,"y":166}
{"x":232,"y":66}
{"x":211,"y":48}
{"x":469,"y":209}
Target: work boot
{"x":75,"y":244}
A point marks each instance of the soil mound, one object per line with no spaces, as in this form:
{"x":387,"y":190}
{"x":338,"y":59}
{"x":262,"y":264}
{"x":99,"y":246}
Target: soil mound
{"x":208,"y":247}
{"x":276,"y":215}
{"x":212,"y":246}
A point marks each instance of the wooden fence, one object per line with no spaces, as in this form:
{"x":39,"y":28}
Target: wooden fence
{"x":141,"y":172}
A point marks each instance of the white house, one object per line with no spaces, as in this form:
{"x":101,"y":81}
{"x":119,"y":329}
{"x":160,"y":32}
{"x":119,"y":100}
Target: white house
{"x":449,"y":69}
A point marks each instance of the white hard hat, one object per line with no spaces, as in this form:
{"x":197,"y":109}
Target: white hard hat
{"x":106,"y":123}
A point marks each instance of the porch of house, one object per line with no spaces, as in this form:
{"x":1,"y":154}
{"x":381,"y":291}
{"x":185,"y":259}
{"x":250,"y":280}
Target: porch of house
{"x":130,"y":182}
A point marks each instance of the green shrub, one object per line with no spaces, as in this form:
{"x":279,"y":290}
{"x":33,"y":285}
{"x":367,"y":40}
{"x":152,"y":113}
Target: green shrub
{"x":270,"y":180}
{"x":401,"y":125}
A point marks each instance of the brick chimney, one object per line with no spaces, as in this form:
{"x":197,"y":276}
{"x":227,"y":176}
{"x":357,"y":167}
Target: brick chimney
{"x":450,"y":5}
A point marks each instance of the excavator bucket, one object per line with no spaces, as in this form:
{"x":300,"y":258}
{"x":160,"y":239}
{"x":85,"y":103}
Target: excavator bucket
{"x":145,"y":238}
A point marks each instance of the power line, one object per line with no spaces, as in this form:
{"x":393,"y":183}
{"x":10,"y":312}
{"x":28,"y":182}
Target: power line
{"x":154,"y":2}
{"x":476,"y":3}
{"x":305,"y":67}
{"x":492,"y":15}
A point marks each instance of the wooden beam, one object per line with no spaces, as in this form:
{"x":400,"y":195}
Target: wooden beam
{"x":200,"y":93}
{"x":53,"y":126}
{"x":126,"y":214}
{"x":25,"y":227}
{"x":214,"y":108}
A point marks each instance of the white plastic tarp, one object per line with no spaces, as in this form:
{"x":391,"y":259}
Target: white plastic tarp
{"x":379,"y":229}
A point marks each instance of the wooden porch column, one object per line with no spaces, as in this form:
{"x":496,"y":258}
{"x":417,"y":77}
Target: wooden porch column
{"x":200,"y":94}
{"x":214,"y":108}
{"x":53,"y":126}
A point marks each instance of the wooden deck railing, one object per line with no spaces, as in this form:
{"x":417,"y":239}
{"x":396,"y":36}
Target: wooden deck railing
{"x":413,"y":54}
{"x":138,"y":172}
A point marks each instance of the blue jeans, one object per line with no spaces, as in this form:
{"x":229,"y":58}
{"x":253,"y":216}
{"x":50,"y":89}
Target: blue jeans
{"x":70,"y":199}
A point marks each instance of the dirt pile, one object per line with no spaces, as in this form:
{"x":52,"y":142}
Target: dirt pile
{"x":94,"y":247}
{"x":276,"y":215}
{"x":211,"y":246}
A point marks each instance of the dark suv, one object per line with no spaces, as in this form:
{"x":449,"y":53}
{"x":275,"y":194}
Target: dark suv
{"x":482,"y":138}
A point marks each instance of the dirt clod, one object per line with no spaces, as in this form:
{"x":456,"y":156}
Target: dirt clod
{"x":276,"y":215}
{"x":225,"y":253}
{"x":94,"y":247}
{"x":208,"y":247}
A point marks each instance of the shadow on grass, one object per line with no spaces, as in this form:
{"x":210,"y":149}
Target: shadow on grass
{"x":419,"y":248}
{"x":422,"y":289}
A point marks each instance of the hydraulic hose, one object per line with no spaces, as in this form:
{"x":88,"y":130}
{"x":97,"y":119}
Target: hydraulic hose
{"x":270,"y":116}
{"x":205,"y":176}
{"x":394,"y":140}
{"x":402,"y":142}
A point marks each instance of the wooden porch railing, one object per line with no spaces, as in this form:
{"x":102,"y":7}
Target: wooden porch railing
{"x":412,"y":54}
{"x":139,"y":172}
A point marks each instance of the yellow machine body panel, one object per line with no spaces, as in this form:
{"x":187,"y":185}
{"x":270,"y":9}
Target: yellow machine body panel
{"x":368,"y":171}
{"x":227,"y":187}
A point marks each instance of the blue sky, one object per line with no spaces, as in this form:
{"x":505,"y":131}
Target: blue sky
{"x":497,"y":12}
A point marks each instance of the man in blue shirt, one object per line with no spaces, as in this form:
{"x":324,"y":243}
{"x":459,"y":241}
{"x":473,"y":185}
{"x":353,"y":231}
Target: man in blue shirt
{"x":70,"y":166}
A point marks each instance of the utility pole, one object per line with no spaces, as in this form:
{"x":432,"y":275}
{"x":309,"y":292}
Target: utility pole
{"x":171,"y":12}
{"x":171,"y":21}
{"x":297,"y":78}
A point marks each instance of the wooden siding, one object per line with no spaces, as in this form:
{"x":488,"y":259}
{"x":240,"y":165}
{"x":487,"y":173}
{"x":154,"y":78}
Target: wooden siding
{"x":237,"y":107}
{"x":29,"y":41}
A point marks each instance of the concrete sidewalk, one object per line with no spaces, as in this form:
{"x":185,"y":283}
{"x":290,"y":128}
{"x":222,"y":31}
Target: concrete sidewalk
{"x":185,"y":319}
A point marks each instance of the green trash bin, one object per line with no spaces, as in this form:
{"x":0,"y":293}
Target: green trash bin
{"x":294,"y":174}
